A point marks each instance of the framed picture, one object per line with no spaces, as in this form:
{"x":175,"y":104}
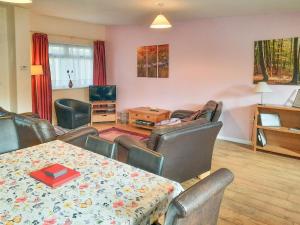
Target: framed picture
{"x":269,"y":120}
{"x":153,"y":61}
{"x":163,"y":61}
{"x":296,"y":102}
{"x":275,"y":61}
{"x":142,"y":62}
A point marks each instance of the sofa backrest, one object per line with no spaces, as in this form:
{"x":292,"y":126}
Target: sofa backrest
{"x":9,"y":140}
{"x":33,"y":131}
{"x":187,"y":148}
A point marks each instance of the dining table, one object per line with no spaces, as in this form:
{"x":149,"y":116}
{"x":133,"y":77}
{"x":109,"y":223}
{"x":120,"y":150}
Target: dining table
{"x":106,"y":192}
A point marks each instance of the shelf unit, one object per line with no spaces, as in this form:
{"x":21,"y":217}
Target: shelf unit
{"x":280,"y":140}
{"x":104,"y":111}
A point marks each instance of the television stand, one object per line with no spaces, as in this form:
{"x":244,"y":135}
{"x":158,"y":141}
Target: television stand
{"x":104,"y":111}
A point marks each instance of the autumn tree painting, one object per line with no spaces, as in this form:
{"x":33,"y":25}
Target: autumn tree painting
{"x":277,"y":61}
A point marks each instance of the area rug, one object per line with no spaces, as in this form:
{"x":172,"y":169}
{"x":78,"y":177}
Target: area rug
{"x":112,"y":133}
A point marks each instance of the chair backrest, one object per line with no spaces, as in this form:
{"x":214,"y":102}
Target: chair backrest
{"x":200,"y":204}
{"x":9,"y":140}
{"x":101,"y":146}
{"x":145,"y":159}
{"x":33,"y":131}
{"x":187,"y":148}
{"x":218,"y":112}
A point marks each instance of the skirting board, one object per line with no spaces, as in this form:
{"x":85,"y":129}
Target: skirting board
{"x":236,"y":140}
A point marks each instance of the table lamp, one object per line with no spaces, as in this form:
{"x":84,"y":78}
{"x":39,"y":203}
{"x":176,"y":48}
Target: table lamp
{"x":36,"y":70}
{"x":262,"y":87}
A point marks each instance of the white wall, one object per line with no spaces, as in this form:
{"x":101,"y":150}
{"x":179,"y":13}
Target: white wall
{"x":73,"y":31}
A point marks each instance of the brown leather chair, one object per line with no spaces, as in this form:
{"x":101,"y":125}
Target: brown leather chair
{"x":33,"y":131}
{"x":200,"y":204}
{"x":101,"y":146}
{"x":146,"y":159}
{"x":71,"y":113}
{"x":211,"y":111}
{"x":186,"y":147}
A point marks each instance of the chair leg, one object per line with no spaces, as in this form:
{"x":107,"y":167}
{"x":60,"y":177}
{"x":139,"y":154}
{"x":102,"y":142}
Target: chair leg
{"x":203,"y":175}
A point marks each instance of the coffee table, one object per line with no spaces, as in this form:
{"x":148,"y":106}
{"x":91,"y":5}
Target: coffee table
{"x":147,"y":114}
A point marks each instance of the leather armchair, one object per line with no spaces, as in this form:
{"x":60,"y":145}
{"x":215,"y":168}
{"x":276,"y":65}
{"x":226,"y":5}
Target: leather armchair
{"x":9,"y":137}
{"x":33,"y":131}
{"x":200,"y":204}
{"x":187,"y":147}
{"x":211,"y":111}
{"x":72,"y":113}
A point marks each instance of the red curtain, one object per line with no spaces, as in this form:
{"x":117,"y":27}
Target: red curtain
{"x":99,"y":77}
{"x":41,"y":84}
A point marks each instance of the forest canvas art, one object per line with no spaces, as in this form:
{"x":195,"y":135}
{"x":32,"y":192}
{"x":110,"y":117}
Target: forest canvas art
{"x":153,"y":61}
{"x":277,"y":61}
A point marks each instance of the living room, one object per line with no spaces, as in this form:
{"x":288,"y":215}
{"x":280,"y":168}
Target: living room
{"x":211,"y":55}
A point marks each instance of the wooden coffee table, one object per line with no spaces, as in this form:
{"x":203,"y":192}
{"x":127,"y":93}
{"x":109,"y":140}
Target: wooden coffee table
{"x":147,"y":114}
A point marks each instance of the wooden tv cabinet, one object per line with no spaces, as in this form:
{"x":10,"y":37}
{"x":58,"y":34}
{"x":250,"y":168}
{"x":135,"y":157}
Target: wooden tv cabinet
{"x":282,"y":139}
{"x":146,"y":114}
{"x":104,"y":111}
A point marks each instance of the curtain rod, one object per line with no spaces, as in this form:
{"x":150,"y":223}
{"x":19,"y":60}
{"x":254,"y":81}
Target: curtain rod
{"x":66,"y":36}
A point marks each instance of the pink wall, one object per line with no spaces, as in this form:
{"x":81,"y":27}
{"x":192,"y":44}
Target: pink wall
{"x":209,"y":59}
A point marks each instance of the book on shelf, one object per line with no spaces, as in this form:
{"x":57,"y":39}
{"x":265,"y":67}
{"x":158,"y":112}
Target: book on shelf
{"x":261,"y":138}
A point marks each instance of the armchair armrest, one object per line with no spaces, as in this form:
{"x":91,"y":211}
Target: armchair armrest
{"x":30,"y":114}
{"x":128,"y":142}
{"x":78,"y":137}
{"x":181,"y":114}
{"x":83,"y":107}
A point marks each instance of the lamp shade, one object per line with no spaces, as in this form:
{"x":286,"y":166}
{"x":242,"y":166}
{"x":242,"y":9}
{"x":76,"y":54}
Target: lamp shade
{"x":160,"y":22}
{"x":37,"y":70}
{"x":17,"y":1}
{"x":262,"y":87}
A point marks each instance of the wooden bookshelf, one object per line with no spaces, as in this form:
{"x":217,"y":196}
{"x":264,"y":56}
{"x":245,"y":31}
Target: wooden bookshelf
{"x":282,"y":139}
{"x":104,"y":111}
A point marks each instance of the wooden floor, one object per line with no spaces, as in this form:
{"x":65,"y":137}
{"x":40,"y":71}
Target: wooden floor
{"x":266,"y":188}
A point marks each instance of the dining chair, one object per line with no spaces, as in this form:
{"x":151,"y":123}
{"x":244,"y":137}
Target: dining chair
{"x":101,"y":146}
{"x":145,"y":159}
{"x":200,"y":204}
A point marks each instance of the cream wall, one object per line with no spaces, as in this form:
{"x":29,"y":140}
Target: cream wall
{"x":7,"y":61}
{"x":23,"y":62}
{"x":67,"y":31}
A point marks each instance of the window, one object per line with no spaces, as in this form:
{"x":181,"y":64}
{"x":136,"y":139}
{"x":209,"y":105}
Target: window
{"x":75,"y":59}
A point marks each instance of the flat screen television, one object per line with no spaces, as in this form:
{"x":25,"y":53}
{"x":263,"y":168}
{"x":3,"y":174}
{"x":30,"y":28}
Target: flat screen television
{"x":103,"y":93}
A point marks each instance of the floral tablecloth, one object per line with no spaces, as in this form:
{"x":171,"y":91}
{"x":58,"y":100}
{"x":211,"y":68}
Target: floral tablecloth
{"x":107,"y":192}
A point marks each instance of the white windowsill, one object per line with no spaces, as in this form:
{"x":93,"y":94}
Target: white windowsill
{"x":66,"y":88}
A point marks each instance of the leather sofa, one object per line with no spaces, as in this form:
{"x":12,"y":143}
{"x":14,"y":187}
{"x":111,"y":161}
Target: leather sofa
{"x":71,"y":113}
{"x":187,"y":147}
{"x":28,"y":131}
{"x":211,"y":111}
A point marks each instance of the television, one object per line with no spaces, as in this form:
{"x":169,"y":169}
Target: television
{"x":102,"y":93}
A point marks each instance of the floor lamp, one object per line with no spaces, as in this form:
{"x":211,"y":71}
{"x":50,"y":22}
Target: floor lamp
{"x":36,"y":70}
{"x":262,"y":87}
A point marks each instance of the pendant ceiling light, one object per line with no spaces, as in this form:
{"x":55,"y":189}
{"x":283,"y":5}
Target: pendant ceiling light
{"x":160,"y":22}
{"x":17,"y":1}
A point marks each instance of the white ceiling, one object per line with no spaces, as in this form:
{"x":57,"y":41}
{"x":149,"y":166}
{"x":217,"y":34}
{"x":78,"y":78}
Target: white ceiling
{"x":120,"y":12}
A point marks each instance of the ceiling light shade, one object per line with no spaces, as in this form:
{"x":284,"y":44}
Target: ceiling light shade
{"x":17,"y":1}
{"x":160,"y":22}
